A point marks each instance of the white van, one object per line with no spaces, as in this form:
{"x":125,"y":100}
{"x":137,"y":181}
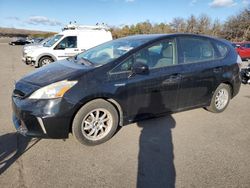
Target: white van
{"x":71,"y":41}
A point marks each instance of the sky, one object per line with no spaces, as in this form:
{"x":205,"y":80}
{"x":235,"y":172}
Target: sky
{"x":52,"y":15}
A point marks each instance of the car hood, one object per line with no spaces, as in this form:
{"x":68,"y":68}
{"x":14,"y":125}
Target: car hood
{"x":57,"y":71}
{"x":32,"y":46}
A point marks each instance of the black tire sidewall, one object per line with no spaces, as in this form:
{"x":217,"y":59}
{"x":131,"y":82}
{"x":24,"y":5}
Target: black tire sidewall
{"x":98,"y":103}
{"x":212,"y":106}
{"x":41,"y":60}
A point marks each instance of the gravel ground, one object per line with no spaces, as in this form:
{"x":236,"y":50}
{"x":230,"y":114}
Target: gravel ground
{"x":188,"y":149}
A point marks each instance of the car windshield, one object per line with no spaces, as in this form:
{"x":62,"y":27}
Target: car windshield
{"x":52,"y":41}
{"x":108,"y":51}
{"x":44,"y":41}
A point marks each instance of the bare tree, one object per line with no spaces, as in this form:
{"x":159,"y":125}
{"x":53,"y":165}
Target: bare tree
{"x":178,"y":25}
{"x":192,"y":24}
{"x":235,"y":28}
{"x":204,"y":24}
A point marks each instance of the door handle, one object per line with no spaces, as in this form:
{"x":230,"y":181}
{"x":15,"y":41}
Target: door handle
{"x":175,"y":77}
{"x":217,"y":69}
{"x":76,"y":50}
{"x":172,"y":79}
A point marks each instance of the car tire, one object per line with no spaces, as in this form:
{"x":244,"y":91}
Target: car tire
{"x":95,"y":123}
{"x":45,"y":61}
{"x":220,"y":99}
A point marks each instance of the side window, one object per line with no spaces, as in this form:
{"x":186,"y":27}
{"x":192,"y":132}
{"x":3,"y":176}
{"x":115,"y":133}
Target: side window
{"x":161,"y":54}
{"x":124,"y":66}
{"x":222,"y":48}
{"x":247,"y":45}
{"x":194,"y":50}
{"x":67,"y":42}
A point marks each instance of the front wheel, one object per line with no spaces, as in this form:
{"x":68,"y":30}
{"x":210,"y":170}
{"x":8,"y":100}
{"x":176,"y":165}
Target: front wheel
{"x":221,"y":99}
{"x":95,"y":123}
{"x":44,"y":61}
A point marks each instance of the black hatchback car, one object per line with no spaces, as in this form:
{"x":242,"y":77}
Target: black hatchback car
{"x":123,"y":81}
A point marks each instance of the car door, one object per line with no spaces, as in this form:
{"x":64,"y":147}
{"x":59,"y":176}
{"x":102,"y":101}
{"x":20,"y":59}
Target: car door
{"x":146,"y":95}
{"x":200,"y":71}
{"x":67,"y":47}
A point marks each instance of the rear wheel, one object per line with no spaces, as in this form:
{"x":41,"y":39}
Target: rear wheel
{"x":95,"y":123}
{"x":45,"y":61}
{"x":221,"y":99}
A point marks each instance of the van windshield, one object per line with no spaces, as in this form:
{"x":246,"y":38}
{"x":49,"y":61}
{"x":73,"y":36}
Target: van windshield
{"x":52,"y":41}
{"x":109,"y":51}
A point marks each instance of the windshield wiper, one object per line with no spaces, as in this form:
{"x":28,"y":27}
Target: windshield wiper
{"x":85,"y":61}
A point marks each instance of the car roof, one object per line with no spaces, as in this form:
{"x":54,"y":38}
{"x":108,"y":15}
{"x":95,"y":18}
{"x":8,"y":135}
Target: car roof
{"x":159,"y":36}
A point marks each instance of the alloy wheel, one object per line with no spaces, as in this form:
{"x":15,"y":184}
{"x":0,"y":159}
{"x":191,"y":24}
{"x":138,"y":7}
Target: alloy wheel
{"x":96,"y":124}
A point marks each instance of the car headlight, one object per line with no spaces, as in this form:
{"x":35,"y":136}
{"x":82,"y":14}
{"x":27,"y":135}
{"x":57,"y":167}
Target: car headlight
{"x":52,"y":91}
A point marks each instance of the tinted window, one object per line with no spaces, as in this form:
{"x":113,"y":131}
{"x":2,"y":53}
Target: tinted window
{"x":222,"y":48}
{"x":196,"y":50}
{"x":234,"y":45}
{"x":124,"y":66}
{"x":159,"y":55}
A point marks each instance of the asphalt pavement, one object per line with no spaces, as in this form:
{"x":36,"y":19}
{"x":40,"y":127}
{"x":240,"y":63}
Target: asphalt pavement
{"x":189,"y":149}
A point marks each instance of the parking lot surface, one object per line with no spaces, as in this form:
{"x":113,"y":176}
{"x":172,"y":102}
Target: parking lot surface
{"x":188,"y":149}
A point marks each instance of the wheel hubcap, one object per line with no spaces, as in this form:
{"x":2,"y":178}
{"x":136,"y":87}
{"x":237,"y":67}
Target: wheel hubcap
{"x":221,"y":99}
{"x":96,"y":124}
{"x":46,"y":61}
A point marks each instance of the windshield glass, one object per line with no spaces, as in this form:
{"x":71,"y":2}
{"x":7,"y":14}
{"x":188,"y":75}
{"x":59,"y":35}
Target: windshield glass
{"x":44,"y":40}
{"x":52,"y":41}
{"x":109,"y":51}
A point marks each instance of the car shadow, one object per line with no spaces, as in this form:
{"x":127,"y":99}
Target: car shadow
{"x":13,"y":146}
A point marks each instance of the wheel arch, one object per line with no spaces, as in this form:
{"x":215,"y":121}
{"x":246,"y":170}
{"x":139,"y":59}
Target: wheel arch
{"x":109,"y":100}
{"x":45,"y":55}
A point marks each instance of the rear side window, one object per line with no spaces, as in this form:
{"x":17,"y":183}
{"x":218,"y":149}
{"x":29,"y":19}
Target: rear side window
{"x":222,"y":48}
{"x":194,"y":50}
{"x":246,"y":45}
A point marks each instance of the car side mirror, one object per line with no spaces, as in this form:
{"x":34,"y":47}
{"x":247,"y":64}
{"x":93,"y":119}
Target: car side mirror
{"x":140,"y":68}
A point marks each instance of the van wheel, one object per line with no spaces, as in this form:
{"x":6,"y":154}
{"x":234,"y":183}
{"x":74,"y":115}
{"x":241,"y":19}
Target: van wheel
{"x":221,"y":98}
{"x":95,"y":123}
{"x":45,"y":61}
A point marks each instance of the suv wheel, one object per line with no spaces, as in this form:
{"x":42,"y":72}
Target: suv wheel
{"x":45,"y":61}
{"x":95,"y":123}
{"x":221,"y":98}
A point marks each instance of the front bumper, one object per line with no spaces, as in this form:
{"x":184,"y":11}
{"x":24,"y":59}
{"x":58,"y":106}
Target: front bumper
{"x":28,"y":60}
{"x":42,"y":118}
